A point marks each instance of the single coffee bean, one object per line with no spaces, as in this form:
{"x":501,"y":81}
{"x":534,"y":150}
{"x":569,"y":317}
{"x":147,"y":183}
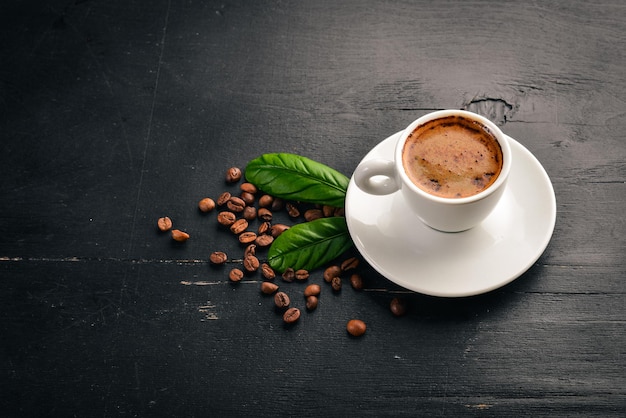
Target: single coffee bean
{"x":247,"y":237}
{"x":349,"y":264}
{"x":313,"y":214}
{"x":264,"y":228}
{"x":250,"y":250}
{"x":291,"y":315}
{"x":356,"y":327}
{"x":235,"y":275}
{"x":264,"y":214}
{"x":398,"y":306}
{"x":251,"y":263}
{"x":278,"y":229}
{"x":289,"y":275}
{"x":339,"y":212}
{"x":328,"y":211}
{"x":180,"y":236}
{"x":268,"y":288}
{"x":249,"y":213}
{"x":281,"y":300}
{"x":336,"y":283}
{"x":330,"y":272}
{"x":266,"y":201}
{"x":247,"y":197}
{"x":292,"y":210}
{"x":264,"y":240}
{"x":226,"y":218}
{"x":312,"y":290}
{"x":356,"y":281}
{"x":233,"y":175}
{"x":164,"y":224}
{"x":267,"y":271}
{"x":223,"y":199}
{"x":236,"y":204}
{"x":239,"y":226}
{"x":301,"y":275}
{"x":206,"y":205}
{"x":248,"y":188}
{"x":277,"y":204}
{"x":218,"y":257}
{"x":311,"y":302}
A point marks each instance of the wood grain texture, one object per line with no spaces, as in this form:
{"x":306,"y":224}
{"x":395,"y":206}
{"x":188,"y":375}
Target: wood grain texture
{"x":113,"y":114}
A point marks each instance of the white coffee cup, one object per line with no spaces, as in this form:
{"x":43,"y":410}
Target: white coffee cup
{"x":447,"y":214}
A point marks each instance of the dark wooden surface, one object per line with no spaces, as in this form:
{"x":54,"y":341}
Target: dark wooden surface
{"x":114,"y":113}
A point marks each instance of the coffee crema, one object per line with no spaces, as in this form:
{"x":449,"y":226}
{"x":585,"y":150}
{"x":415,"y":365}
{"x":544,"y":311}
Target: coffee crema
{"x":452,"y":157}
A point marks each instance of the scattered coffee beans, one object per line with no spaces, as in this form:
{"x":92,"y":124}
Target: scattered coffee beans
{"x":331,"y":272}
{"x":267,"y":271}
{"x":164,"y":224}
{"x":278,"y":229}
{"x":312,"y":290}
{"x":356,"y":281}
{"x":398,"y":306}
{"x":251,"y":263}
{"x":180,"y":236}
{"x":313,"y":214}
{"x":233,"y":175}
{"x":350,"y":264}
{"x":301,"y":275}
{"x":236,"y":204}
{"x":235,"y":275}
{"x":223,"y":198}
{"x":247,"y":237}
{"x":264,"y":214}
{"x":266,"y":201}
{"x":293,"y":210}
{"x":336,"y":283}
{"x":281,"y":300}
{"x":206,"y":205}
{"x":268,"y":288}
{"x":356,"y":327}
{"x":311,"y":302}
{"x":249,"y":213}
{"x":247,"y":197}
{"x":291,"y":315}
{"x":264,"y":240}
{"x":239,"y":226}
{"x":250,"y":250}
{"x":248,"y":188}
{"x":289,"y":275}
{"x":226,"y":218}
{"x":218,"y":257}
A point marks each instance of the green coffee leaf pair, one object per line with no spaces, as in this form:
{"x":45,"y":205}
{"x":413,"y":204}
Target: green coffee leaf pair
{"x":292,"y":177}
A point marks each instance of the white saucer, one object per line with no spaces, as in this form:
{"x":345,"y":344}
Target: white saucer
{"x":401,"y":248}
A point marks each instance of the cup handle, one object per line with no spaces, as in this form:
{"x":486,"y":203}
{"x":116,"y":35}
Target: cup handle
{"x":384,"y":171}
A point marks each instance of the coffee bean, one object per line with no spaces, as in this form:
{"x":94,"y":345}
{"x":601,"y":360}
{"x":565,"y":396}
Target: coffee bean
{"x":206,"y":205}
{"x":264,"y":240}
{"x":164,"y":224}
{"x":226,"y":218}
{"x":328,"y":211}
{"x":239,"y":226}
{"x":291,"y":315}
{"x":266,"y":201}
{"x":356,"y":281}
{"x":233,"y":175}
{"x":180,"y":236}
{"x":249,"y":213}
{"x":264,"y":228}
{"x":330,"y":272}
{"x":236,"y":204}
{"x":247,"y":237}
{"x":248,"y":198}
{"x":301,"y":275}
{"x":268,"y":288}
{"x":311,"y":302}
{"x":281,"y":300}
{"x":251,"y":263}
{"x":235,"y":275}
{"x":250,"y":250}
{"x":339,"y":212}
{"x":312,"y":290}
{"x":292,"y":210}
{"x":289,"y":275}
{"x":398,"y":306}
{"x":264,"y":214}
{"x":349,"y":264}
{"x":248,"y":188}
{"x":223,"y":198}
{"x":278,"y":229}
{"x":267,"y":271}
{"x":313,"y":214}
{"x":336,"y":283}
{"x":277,"y":204}
{"x":356,"y":327}
{"x":218,"y":257}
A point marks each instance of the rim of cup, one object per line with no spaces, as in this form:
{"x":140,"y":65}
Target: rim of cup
{"x":497,"y":133}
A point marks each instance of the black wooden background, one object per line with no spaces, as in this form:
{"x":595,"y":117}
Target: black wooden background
{"x":114,"y":113}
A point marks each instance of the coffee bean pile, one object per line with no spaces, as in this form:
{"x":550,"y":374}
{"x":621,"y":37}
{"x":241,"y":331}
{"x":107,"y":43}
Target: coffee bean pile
{"x":249,"y":216}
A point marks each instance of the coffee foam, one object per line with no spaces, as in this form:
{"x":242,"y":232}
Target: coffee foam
{"x":452,"y":157}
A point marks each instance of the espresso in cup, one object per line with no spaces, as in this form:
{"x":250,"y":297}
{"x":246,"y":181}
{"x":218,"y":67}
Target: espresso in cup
{"x":452,"y":157}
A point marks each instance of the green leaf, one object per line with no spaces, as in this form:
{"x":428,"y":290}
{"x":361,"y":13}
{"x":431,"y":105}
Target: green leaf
{"x":310,"y":245}
{"x":293,"y":177}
